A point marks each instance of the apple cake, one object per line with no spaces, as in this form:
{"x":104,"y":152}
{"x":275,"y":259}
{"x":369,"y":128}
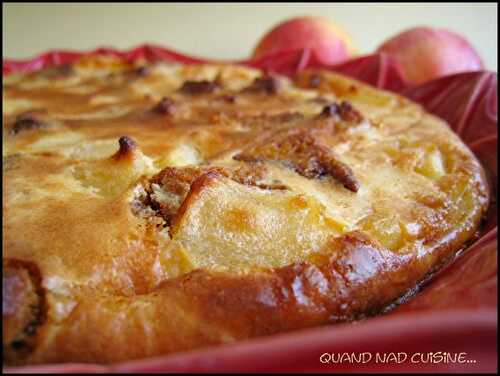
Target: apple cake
{"x":151,"y":208}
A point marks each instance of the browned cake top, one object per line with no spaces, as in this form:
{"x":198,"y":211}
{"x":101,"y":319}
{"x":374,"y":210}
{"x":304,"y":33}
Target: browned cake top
{"x":169,"y":206}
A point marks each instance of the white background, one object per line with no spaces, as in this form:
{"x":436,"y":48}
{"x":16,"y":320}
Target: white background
{"x":228,"y":31}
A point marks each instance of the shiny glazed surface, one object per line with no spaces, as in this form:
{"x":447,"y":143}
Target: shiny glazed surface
{"x":130,"y":240}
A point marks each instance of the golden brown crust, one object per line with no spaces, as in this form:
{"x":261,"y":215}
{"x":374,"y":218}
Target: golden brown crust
{"x":23,"y":308}
{"x":150,"y":209}
{"x":352,"y":279}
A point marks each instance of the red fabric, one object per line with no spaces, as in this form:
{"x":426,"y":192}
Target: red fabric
{"x":456,"y":312}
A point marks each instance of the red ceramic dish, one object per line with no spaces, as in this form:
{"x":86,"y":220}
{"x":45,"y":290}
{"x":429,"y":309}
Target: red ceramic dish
{"x":449,"y":326}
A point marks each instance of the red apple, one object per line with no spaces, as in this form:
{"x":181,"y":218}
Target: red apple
{"x":330,"y":43}
{"x":425,"y":53}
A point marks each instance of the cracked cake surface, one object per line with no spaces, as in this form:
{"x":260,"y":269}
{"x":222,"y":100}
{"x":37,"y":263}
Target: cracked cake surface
{"x":157,"y":208}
